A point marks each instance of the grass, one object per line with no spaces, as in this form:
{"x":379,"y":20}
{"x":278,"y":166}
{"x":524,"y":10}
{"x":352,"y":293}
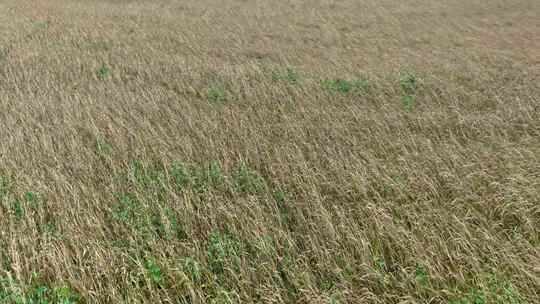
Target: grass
{"x":345,"y":86}
{"x":262,"y":152}
{"x":3,"y":55}
{"x":37,"y":293}
{"x":103,"y":72}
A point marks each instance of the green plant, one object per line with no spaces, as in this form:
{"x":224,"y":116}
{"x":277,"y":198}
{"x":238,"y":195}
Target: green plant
{"x":6,"y":183}
{"x":336,"y":298}
{"x":30,"y":197}
{"x":153,"y":270}
{"x":128,"y":208}
{"x":56,"y":45}
{"x":346,"y":86}
{"x":181,"y":175}
{"x":421,"y":275}
{"x":408,"y":102}
{"x":216,"y":95}
{"x":344,"y":266}
{"x":102,"y":145}
{"x":497,"y":291}
{"x":64,"y":295}
{"x":193,"y":269}
{"x":214,"y":173}
{"x":476,"y":296}
{"x":103,"y":72}
{"x":290,"y":75}
{"x":41,"y":25}
{"x":361,"y":82}
{"x":299,"y":180}
{"x":503,"y":291}
{"x":210,"y":175}
{"x":10,"y":293}
{"x":222,"y":248}
{"x":135,"y":214}
{"x":38,"y":293}
{"x":338,"y":85}
{"x":205,"y":177}
{"x":3,"y":55}
{"x":147,"y":176}
{"x":18,"y":209}
{"x":247,"y":180}
{"x":380,"y":264}
{"x":400,"y":181}
{"x":48,"y":227}
{"x":408,"y":83}
{"x":174,"y":225}
{"x":222,"y":296}
{"x":99,"y":45}
{"x":280,"y":195}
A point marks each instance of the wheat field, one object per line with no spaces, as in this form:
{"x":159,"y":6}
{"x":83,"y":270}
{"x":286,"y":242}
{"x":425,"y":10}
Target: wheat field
{"x":265,"y":151}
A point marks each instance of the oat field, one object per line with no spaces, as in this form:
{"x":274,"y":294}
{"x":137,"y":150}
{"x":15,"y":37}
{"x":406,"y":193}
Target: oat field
{"x":265,"y":151}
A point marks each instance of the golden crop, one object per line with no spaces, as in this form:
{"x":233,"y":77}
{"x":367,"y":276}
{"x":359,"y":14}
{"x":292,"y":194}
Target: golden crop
{"x":265,"y":151}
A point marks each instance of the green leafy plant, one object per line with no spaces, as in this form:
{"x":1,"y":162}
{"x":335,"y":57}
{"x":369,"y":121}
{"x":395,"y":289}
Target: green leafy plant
{"x":408,"y":83}
{"x":175,"y":226}
{"x":280,"y":194}
{"x":41,"y":25}
{"x":63,"y":294}
{"x":153,"y":270}
{"x":336,"y":298}
{"x":214,"y":173}
{"x":3,"y":55}
{"x":497,"y":291}
{"x":361,"y":83}
{"x":247,"y":180}
{"x":39,"y":293}
{"x":30,"y":197}
{"x":408,"y":102}
{"x":181,"y":175}
{"x":127,"y":209}
{"x":99,"y":45}
{"x":145,"y":175}
{"x":345,"y":86}
{"x":103,"y":72}
{"x":222,"y":248}
{"x":193,"y":269}
{"x":338,"y":85}
{"x":18,"y":209}
{"x":102,"y":145}
{"x":216,"y":95}
{"x":48,"y":227}
{"x":474,"y":297}
{"x":421,"y":275}
{"x":503,"y":291}
{"x":6,"y":183}
{"x":290,"y":75}
{"x":56,"y":45}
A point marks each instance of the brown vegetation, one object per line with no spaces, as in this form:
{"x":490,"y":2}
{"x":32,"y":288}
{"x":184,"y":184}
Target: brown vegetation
{"x":268,"y":151}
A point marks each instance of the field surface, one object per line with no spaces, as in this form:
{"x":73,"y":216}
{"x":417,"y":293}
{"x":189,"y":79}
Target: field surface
{"x":265,"y":151}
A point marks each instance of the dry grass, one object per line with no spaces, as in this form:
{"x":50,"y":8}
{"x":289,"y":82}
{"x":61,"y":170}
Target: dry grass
{"x":260,"y":151}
